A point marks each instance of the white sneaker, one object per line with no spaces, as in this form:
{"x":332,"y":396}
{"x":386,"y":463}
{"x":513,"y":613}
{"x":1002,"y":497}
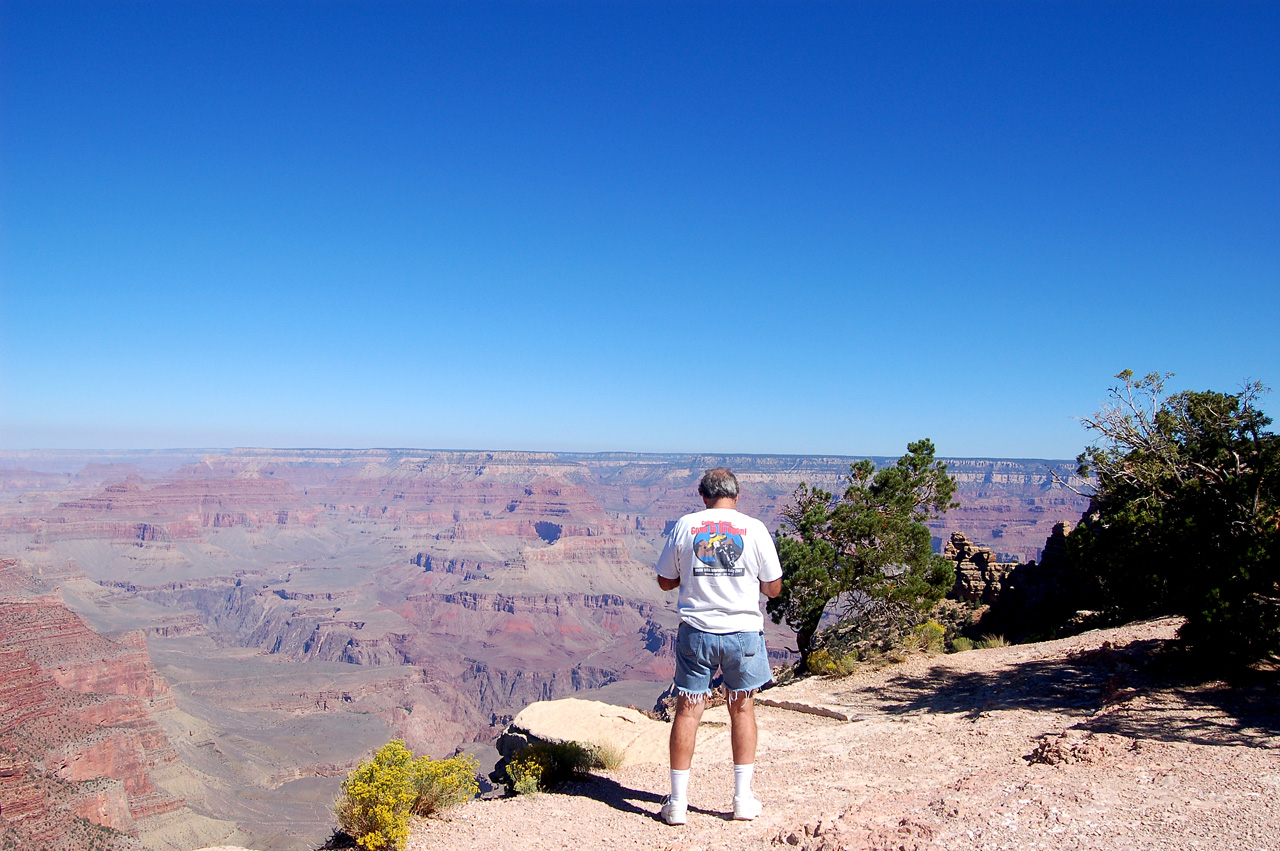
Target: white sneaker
{"x":746,"y":808}
{"x":673,"y":812}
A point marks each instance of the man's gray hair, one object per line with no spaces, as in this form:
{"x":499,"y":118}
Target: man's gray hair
{"x":719,"y":483}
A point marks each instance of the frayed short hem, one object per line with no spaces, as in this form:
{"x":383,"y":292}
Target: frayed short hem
{"x":731,"y":695}
{"x":694,"y":697}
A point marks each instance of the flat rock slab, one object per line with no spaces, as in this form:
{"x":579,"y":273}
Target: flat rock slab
{"x":639,"y":738}
{"x":809,"y":707}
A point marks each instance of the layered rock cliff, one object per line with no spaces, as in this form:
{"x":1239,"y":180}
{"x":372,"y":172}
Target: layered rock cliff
{"x":333,"y":600}
{"x":79,"y":737}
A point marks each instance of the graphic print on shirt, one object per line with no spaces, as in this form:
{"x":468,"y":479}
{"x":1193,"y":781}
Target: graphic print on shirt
{"x":718,"y":546}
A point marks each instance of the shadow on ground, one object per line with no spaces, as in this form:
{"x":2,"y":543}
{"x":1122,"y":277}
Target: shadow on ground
{"x":1131,"y":691}
{"x":624,"y":798}
{"x":1179,"y":709}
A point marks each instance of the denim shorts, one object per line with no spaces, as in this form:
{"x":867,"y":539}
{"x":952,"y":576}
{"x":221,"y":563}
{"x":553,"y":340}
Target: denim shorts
{"x":740,"y":656}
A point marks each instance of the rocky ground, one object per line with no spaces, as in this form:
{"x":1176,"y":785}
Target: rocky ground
{"x":1091,"y":742}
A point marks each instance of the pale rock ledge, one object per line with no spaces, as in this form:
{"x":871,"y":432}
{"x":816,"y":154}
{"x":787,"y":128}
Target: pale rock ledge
{"x":638,"y":738}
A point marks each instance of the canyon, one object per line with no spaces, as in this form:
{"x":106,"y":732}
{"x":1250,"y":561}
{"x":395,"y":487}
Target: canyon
{"x":197,"y":646}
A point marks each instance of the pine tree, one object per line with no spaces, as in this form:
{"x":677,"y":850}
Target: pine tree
{"x":1186,"y":516}
{"x":868,"y":550}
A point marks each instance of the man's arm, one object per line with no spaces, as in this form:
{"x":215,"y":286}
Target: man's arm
{"x":669,"y":564}
{"x":768,"y":561}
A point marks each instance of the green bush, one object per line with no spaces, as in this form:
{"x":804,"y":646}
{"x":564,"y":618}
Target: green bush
{"x":607,"y":756}
{"x":827,"y":664}
{"x":960,"y":644}
{"x":989,"y":641}
{"x":526,"y":775}
{"x":545,"y":765}
{"x":929,"y":636}
{"x":892,"y":656}
{"x":444,"y":783}
{"x":379,"y":795}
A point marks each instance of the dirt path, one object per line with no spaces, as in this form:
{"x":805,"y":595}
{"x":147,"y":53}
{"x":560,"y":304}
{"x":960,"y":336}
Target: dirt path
{"x":1071,"y":744}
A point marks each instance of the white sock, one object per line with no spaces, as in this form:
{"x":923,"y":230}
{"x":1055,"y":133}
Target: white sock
{"x":742,"y":780}
{"x":679,"y":785}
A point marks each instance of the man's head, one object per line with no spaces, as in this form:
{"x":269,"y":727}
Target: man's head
{"x":718,"y":484}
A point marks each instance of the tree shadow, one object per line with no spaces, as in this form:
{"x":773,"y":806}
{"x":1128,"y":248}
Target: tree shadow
{"x":1133,"y":691}
{"x":1171,"y":706}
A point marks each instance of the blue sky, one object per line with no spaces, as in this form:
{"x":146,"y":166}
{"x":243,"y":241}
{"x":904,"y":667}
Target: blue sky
{"x":713,"y":227}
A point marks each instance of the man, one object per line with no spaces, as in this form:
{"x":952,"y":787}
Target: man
{"x":721,"y":560}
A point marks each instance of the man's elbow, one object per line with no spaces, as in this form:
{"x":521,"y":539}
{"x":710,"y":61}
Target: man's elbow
{"x":668,"y":584}
{"x":771,"y":589}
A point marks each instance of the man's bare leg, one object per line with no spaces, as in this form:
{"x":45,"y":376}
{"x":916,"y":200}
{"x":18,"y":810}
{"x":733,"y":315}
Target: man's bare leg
{"x":742,"y":729}
{"x":684,"y":732}
{"x":742,"y":734}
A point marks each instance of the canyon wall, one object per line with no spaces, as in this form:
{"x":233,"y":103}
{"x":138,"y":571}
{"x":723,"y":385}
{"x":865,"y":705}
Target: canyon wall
{"x":280,"y":613}
{"x":80,"y":743}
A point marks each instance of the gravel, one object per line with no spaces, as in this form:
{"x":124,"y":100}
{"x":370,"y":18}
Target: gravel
{"x":1082,"y":743}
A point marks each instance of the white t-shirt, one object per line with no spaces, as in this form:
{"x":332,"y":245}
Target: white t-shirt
{"x":720,"y":556}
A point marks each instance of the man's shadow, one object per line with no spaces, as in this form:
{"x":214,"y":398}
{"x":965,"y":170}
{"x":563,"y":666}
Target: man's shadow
{"x":625,"y":799}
